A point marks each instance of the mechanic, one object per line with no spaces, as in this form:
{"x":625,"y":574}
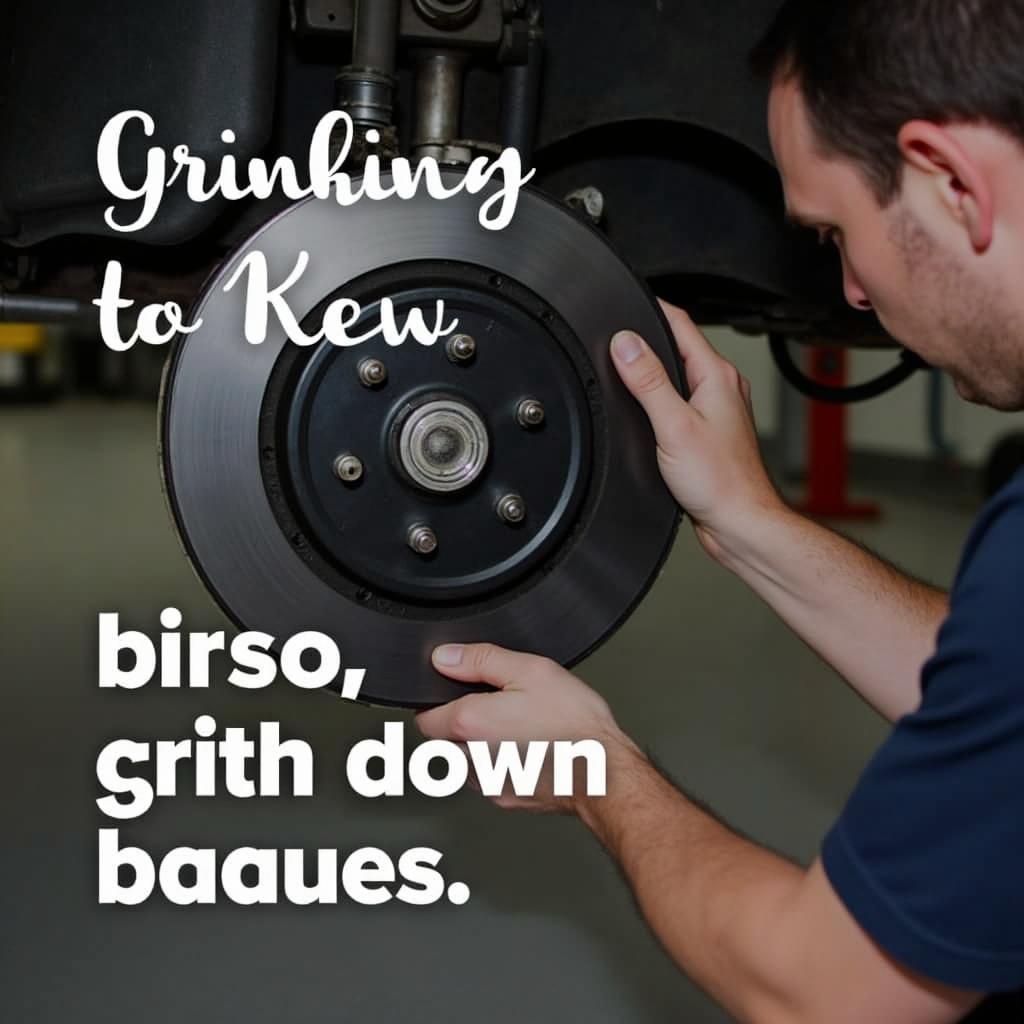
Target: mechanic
{"x":898,"y":129}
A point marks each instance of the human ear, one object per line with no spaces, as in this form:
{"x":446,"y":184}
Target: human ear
{"x":961,"y":180}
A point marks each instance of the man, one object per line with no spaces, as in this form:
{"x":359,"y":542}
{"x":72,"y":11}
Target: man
{"x":898,"y":129}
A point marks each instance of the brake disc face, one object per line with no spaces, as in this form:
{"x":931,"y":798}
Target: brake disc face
{"x":500,"y":485}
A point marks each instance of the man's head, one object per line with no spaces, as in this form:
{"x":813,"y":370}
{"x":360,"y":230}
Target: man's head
{"x":898,"y":128}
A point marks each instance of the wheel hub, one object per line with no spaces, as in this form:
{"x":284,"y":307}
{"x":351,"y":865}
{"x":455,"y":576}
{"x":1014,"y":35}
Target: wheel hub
{"x":442,"y":445}
{"x":441,"y":441}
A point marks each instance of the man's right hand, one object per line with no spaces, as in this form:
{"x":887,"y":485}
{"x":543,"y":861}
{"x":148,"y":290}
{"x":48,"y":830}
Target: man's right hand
{"x":874,"y":625}
{"x":707,"y":447}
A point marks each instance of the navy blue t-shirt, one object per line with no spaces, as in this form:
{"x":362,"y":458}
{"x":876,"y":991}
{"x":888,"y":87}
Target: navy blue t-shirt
{"x":928,"y":854}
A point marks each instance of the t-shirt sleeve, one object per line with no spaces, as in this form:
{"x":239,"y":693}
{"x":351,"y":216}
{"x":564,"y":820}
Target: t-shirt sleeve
{"x":928,"y":854}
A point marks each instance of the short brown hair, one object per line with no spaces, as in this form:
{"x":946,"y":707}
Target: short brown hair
{"x":867,"y":67}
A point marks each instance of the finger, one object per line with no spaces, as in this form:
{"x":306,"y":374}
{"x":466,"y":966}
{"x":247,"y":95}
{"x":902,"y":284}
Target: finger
{"x":484,"y":663}
{"x":644,"y":375}
{"x":435,"y":724}
{"x":472,"y":779}
{"x":447,"y":722}
{"x":699,"y":358}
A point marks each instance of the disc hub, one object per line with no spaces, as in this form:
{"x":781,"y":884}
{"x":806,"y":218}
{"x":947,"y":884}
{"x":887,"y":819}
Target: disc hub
{"x":443,"y":445}
{"x":443,"y":442}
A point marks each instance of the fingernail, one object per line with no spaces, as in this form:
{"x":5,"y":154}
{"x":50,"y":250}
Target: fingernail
{"x":627,"y":347}
{"x":448,"y":654}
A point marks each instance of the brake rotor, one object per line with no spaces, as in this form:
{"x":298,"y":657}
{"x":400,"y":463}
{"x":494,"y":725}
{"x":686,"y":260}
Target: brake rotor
{"x":500,"y":485}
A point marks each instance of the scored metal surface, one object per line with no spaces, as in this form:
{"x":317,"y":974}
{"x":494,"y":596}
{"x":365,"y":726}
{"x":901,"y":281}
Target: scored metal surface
{"x":215,"y":387}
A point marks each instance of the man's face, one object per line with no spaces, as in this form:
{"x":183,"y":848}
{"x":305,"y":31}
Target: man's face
{"x":908,"y":261}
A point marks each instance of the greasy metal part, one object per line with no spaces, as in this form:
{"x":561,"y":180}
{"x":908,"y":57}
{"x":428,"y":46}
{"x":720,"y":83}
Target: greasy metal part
{"x":348,"y":468}
{"x":530,"y":413}
{"x":439,"y":77}
{"x":511,"y":508}
{"x":589,"y":201}
{"x":372,"y":373}
{"x":265,"y":577}
{"x":422,"y":539}
{"x":460,"y":348}
{"x":44,"y":309}
{"x":53,"y":309}
{"x":333,"y":19}
{"x":367,"y":96}
{"x":447,"y":14}
{"x":443,"y":445}
{"x":375,"y":35}
{"x":522,"y":53}
{"x":365,"y":89}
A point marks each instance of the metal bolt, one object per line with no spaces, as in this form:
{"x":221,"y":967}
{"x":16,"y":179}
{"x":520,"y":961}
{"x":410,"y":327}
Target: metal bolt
{"x":530,"y":413}
{"x":422,"y":539}
{"x":348,"y":468}
{"x":372,"y":373}
{"x":511,"y":508}
{"x":460,"y":348}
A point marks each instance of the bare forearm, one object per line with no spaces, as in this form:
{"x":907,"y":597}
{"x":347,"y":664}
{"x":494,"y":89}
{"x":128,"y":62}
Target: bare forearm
{"x":710,"y":896}
{"x":873,"y":624}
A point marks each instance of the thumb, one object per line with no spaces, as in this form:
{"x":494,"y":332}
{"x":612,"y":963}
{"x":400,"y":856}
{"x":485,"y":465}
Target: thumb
{"x":482,"y":663}
{"x":644,"y":375}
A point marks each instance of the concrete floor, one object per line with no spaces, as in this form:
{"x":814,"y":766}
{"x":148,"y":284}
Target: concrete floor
{"x":731,"y":704}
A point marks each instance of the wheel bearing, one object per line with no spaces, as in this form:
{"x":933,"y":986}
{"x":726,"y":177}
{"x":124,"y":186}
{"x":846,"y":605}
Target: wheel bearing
{"x":443,"y":445}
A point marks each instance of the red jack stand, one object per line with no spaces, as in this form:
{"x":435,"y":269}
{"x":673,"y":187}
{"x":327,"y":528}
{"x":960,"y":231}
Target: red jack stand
{"x":828,"y":461}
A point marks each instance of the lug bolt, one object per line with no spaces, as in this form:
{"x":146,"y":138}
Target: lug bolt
{"x":511,"y":508}
{"x":348,"y":468}
{"x":422,"y":539}
{"x":530,"y":413}
{"x":460,"y":348}
{"x":372,"y":373}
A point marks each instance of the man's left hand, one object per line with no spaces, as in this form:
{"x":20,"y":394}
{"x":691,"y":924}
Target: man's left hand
{"x":535,"y":700}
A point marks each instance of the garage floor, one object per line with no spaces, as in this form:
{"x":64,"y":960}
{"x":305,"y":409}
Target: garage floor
{"x":729,"y":702}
